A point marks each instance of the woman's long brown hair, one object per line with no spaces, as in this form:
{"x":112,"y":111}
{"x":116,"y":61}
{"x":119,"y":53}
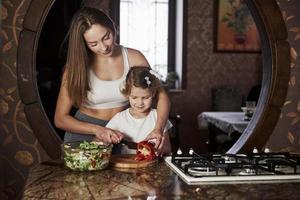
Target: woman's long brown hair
{"x":79,"y":57}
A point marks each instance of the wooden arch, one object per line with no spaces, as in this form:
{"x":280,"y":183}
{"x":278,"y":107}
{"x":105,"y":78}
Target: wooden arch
{"x":276,"y":73}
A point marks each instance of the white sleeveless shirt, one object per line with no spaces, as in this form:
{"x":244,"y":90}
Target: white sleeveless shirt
{"x":106,"y":94}
{"x":135,"y":129}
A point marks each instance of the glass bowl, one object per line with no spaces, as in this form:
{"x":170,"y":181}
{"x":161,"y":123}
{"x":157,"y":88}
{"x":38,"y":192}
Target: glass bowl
{"x":85,"y":155}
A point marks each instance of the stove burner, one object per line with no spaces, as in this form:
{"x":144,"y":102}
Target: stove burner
{"x":247,"y":171}
{"x":212,"y":165}
{"x":200,"y":171}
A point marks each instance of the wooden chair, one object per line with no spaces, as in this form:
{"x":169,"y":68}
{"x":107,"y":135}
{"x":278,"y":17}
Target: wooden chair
{"x":224,"y":98}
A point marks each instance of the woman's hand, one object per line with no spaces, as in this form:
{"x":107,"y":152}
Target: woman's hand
{"x":166,"y":145}
{"x":108,"y":135}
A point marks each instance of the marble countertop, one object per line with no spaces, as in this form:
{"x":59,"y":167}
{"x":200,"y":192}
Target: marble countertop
{"x":52,"y":181}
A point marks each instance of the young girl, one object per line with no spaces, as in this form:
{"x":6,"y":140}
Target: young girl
{"x":136,"y":122}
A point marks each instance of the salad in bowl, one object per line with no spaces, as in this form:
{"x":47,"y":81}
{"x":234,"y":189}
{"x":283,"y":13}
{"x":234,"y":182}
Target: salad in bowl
{"x":86,"y":155}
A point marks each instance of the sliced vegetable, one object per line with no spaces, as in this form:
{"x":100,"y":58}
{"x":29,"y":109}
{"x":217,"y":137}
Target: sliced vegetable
{"x":145,"y":151}
{"x":86,"y":155}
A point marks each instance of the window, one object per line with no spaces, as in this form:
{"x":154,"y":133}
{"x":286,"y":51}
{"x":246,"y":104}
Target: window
{"x":150,"y":27}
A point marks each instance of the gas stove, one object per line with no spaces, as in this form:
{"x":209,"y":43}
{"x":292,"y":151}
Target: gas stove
{"x":235,"y":168}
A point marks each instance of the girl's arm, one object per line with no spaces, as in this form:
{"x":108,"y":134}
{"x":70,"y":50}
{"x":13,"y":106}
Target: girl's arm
{"x":65,"y":121}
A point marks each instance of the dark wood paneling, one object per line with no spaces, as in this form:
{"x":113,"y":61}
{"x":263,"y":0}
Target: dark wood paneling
{"x":269,"y":11}
{"x":36,"y":14}
{"x":25,"y":72}
{"x":281,"y":78}
{"x":283,"y":52}
{"x":276,"y":59}
{"x":27,"y":82}
{"x":43,"y":129}
{"x":261,"y":133}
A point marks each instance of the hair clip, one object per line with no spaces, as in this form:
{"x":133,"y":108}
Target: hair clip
{"x":147,"y":80}
{"x":156,"y":74}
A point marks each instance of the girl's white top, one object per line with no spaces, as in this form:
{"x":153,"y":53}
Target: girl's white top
{"x":135,"y":129}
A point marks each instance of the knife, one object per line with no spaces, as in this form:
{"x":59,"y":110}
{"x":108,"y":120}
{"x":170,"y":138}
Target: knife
{"x":129,"y":144}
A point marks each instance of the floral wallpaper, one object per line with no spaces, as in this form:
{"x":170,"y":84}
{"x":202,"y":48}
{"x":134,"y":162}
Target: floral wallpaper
{"x":20,"y":149}
{"x":286,"y":136}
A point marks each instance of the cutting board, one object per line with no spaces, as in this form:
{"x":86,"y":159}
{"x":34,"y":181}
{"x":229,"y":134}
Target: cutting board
{"x":127,"y":161}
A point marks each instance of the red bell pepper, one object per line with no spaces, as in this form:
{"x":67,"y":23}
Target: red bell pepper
{"x":93,"y":162}
{"x":145,"y":151}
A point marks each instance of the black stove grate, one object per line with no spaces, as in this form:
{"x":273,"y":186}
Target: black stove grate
{"x":253,"y":164}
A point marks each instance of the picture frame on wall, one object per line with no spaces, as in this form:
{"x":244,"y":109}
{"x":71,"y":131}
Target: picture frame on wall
{"x":234,"y":28}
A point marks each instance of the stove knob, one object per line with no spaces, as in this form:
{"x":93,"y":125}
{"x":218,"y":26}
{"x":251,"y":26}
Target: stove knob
{"x":179,"y":152}
{"x":255,"y":150}
{"x":267,"y":150}
{"x":191,"y":151}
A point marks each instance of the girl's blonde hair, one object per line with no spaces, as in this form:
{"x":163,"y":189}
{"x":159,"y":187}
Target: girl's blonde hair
{"x":141,"y":77}
{"x":79,"y":56}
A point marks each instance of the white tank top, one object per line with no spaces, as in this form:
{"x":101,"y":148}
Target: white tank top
{"x":106,"y":94}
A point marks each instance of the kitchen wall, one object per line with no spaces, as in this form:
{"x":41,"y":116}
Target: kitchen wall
{"x":206,"y":69}
{"x":286,"y":136}
{"x":20,"y":150}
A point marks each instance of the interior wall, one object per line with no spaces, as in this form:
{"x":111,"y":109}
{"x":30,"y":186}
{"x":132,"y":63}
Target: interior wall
{"x":206,"y":69}
{"x":286,"y":135}
{"x":19,"y":148}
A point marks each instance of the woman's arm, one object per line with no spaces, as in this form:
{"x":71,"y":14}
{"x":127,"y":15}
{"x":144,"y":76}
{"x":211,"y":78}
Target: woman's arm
{"x":136,"y":58}
{"x":165,"y":148}
{"x":65,"y":121}
{"x":163,"y":110}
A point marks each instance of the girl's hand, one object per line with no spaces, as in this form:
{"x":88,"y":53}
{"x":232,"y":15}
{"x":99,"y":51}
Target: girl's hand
{"x":108,"y":135}
{"x":157,"y":137}
{"x":163,"y":146}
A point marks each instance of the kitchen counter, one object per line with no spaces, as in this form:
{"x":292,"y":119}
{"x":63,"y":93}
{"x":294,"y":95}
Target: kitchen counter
{"x":52,"y":181}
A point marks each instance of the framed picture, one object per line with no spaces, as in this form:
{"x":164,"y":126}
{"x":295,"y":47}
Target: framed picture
{"x":235,"y":30}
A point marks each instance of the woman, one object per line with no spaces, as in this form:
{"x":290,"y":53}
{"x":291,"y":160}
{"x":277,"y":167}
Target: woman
{"x":94,"y":70}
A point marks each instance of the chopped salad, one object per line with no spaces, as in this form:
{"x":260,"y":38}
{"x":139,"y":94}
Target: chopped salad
{"x":86,"y":156}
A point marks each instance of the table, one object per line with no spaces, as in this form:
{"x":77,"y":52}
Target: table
{"x":228,"y":122}
{"x":53,"y":181}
